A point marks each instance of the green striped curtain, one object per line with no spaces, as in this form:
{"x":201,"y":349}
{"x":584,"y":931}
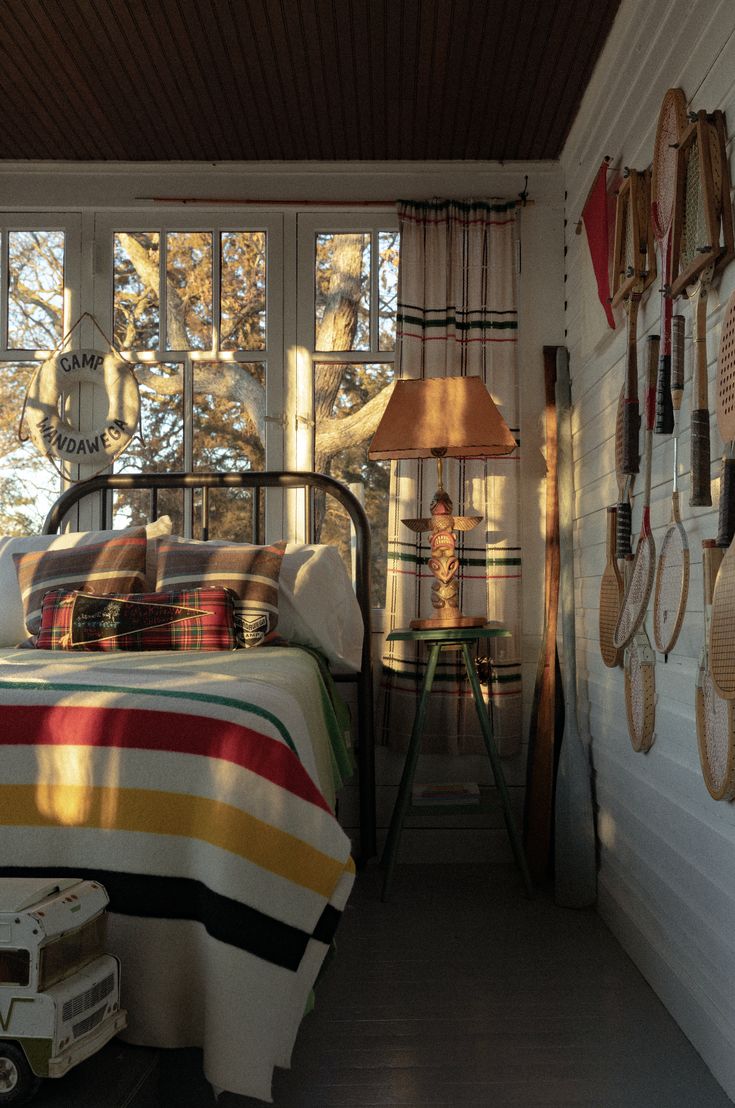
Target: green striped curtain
{"x":457,"y":316}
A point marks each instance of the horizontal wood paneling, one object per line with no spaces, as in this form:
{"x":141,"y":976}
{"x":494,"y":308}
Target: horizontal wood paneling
{"x":667,"y":882}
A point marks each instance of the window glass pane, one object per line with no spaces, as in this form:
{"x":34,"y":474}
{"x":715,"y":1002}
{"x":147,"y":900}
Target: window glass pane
{"x":189,"y":290}
{"x":342,"y":292}
{"x":28,"y":483}
{"x":159,"y":447}
{"x":136,"y":290}
{"x":242,"y":291}
{"x":388,"y":247}
{"x":229,"y":433}
{"x":35,"y":289}
{"x":348,"y":461}
{"x":15,"y":967}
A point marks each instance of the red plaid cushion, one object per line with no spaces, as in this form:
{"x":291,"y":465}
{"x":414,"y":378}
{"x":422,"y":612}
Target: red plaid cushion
{"x":197,"y":619}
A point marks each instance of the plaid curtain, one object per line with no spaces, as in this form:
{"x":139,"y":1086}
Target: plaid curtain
{"x":457,"y":316}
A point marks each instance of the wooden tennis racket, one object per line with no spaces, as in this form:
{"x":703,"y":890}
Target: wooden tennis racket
{"x":611,"y":595}
{"x":638,"y":591}
{"x":696,"y":250}
{"x":672,"y":572}
{"x":715,"y":716}
{"x":640,"y":691}
{"x":672,"y":122}
{"x":726,"y":424}
{"x":722,"y":623}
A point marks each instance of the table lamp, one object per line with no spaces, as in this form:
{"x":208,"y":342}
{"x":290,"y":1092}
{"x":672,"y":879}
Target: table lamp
{"x":442,"y":417}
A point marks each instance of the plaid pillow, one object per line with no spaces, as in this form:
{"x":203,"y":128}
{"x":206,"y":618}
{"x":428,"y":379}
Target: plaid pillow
{"x":114,"y":565}
{"x":250,"y":571}
{"x":200,"y":619}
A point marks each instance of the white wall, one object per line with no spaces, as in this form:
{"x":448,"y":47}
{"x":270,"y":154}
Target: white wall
{"x":667,"y":882}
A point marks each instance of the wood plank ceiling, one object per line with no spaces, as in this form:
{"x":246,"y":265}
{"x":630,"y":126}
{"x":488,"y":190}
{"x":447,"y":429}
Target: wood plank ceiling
{"x":221,"y":80}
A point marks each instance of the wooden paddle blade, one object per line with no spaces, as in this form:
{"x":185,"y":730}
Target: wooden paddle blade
{"x":721,"y":639}
{"x":611,"y":595}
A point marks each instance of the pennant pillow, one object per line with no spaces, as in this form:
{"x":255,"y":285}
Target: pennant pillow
{"x":197,"y":619}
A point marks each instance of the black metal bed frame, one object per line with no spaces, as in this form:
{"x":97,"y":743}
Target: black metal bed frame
{"x":312,"y":483}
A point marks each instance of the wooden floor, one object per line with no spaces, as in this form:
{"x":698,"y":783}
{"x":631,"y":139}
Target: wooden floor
{"x":457,"y":993}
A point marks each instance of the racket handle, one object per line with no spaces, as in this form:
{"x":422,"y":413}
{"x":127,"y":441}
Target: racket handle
{"x":631,"y":429}
{"x":664,"y":424}
{"x":624,"y":524}
{"x":726,"y":528}
{"x":677,"y":360}
{"x":700,"y":495}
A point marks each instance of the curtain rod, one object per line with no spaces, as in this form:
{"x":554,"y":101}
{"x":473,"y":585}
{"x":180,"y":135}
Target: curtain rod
{"x":232,"y":201}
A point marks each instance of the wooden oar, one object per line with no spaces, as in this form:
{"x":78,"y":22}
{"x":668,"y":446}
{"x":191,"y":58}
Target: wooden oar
{"x":542,"y":732}
{"x":575,"y":867}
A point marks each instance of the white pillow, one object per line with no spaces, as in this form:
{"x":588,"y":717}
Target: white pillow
{"x":12,"y":626}
{"x":317,"y":605}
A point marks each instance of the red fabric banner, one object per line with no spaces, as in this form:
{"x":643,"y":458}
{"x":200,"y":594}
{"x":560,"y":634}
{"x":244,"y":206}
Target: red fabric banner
{"x":596,"y":219}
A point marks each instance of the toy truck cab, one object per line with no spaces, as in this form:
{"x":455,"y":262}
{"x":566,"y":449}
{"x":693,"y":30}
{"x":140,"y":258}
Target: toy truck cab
{"x":59,"y":990}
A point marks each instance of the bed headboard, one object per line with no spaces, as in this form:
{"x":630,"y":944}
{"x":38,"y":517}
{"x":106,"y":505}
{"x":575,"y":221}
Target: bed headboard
{"x":311,"y":483}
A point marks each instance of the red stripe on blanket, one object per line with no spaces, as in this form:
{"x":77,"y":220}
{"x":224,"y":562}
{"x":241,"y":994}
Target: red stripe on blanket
{"x":171,"y":732}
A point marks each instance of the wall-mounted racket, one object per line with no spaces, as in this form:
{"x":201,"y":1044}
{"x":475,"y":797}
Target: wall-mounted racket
{"x":611,"y":595}
{"x":638,"y":590}
{"x":715,"y":716}
{"x":672,"y":572}
{"x":672,"y":122}
{"x":722,"y":624}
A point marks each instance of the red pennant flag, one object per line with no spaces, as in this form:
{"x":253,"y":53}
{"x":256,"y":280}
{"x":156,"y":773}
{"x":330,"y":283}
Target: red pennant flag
{"x":596,"y":219}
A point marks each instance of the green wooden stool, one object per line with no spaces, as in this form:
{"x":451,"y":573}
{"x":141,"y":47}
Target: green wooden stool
{"x":451,"y":638}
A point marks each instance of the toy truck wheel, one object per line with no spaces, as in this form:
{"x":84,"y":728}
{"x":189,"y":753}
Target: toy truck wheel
{"x":18,"y":1082}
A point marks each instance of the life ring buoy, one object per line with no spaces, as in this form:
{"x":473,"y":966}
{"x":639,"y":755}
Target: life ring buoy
{"x":53,"y":434}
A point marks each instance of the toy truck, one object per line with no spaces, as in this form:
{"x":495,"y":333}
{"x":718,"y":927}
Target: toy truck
{"x":59,"y":990}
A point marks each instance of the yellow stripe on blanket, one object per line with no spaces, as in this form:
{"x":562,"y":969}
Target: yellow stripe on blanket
{"x":154,"y":812}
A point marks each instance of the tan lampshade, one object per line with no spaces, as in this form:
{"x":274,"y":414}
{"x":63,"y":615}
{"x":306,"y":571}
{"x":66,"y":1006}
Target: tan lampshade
{"x":453,"y":417}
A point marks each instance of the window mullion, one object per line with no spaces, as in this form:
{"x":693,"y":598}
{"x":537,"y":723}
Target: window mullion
{"x":216,"y":286}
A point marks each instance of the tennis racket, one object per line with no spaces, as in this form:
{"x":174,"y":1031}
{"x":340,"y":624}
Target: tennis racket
{"x":640,"y":691}
{"x":721,"y":637}
{"x":715,"y":716}
{"x":638,"y":591}
{"x":726,"y":423}
{"x":611,"y":595}
{"x":672,"y":121}
{"x":672,"y":572}
{"x":696,"y":249}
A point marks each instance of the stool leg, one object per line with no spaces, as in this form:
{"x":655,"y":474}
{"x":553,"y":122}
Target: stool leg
{"x":484,"y":718}
{"x":409,"y":768}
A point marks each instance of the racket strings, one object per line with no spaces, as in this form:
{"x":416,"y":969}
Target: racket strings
{"x":721,"y":638}
{"x":637,"y":595}
{"x":715,"y":739}
{"x":609,"y":609}
{"x":639,"y":697}
{"x":726,"y":363}
{"x":672,"y":587}
{"x":664,"y":163}
{"x":694,"y":228}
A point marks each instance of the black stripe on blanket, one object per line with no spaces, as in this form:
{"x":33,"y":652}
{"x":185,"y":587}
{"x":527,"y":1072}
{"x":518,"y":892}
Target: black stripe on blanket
{"x":135,"y":894}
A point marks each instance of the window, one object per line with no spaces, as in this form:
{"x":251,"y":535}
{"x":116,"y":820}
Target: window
{"x":15,"y":967}
{"x":39,"y":302}
{"x":347,"y":323}
{"x":228,"y":379}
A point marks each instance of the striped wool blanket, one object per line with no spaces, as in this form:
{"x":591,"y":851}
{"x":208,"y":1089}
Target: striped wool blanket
{"x":198,"y":789}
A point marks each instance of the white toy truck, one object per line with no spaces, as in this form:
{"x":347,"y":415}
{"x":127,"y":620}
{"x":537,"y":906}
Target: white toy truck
{"x":59,"y":991}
